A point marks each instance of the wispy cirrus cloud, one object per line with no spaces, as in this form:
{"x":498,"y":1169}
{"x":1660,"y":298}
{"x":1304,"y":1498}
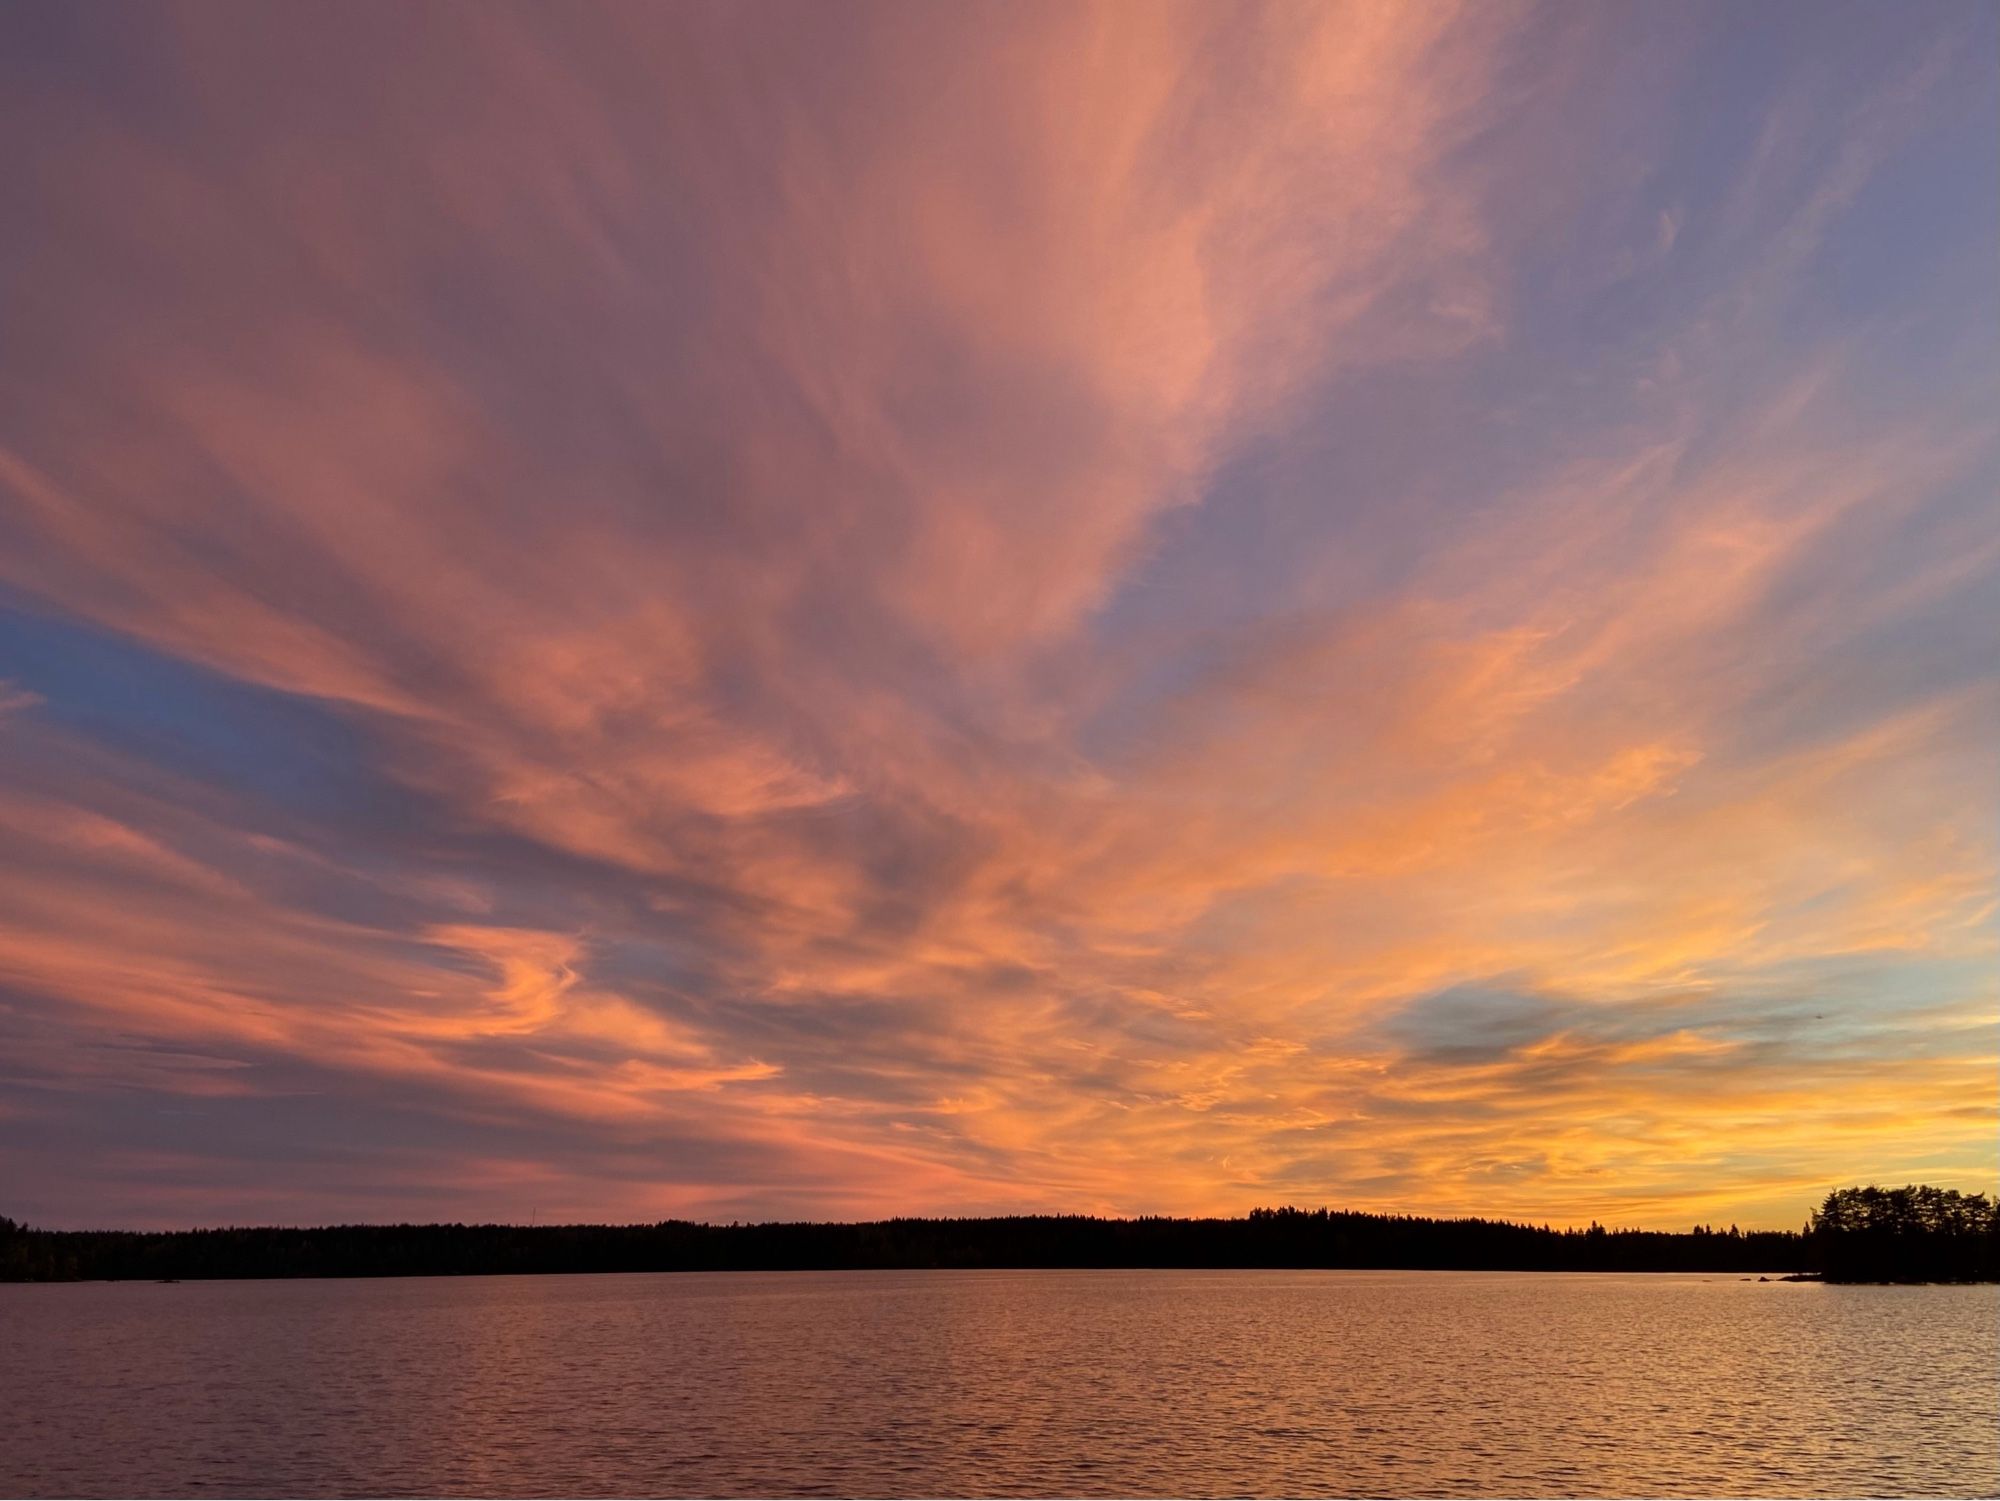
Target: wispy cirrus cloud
{"x":753,"y":611}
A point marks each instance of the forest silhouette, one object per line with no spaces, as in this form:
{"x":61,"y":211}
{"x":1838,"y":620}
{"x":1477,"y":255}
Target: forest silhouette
{"x":1912,"y":1234}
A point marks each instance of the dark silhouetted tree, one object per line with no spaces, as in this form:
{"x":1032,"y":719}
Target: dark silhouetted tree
{"x":1912,"y":1234}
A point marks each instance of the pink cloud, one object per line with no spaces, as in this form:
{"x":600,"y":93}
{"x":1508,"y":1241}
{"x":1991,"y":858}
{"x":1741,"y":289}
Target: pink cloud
{"x":973,"y":607}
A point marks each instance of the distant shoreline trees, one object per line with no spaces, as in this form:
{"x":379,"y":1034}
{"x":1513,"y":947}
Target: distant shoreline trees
{"x":1913,"y":1234}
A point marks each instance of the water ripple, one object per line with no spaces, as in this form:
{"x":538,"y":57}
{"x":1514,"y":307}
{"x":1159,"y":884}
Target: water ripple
{"x":1001,"y":1384}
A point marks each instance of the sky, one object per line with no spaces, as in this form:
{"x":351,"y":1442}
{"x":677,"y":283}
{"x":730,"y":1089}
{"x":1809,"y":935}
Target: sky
{"x":822,"y":611}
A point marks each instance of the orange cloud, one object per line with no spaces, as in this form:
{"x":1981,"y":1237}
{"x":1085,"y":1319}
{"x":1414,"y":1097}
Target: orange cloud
{"x":1110,"y":607}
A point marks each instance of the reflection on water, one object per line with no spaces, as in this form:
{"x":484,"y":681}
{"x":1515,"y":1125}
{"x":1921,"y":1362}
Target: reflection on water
{"x":993,"y":1383}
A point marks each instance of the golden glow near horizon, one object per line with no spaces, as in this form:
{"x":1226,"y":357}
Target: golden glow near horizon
{"x":766,"y":611}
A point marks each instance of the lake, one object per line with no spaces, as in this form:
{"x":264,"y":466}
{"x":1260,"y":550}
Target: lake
{"x":1001,"y":1383}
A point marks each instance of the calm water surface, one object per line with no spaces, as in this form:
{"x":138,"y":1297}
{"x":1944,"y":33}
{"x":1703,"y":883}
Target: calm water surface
{"x":999,"y":1383}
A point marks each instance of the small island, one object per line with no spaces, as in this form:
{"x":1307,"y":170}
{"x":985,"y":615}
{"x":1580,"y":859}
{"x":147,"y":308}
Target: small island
{"x":1911,"y":1234}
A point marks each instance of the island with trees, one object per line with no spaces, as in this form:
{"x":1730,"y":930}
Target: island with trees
{"x":1913,"y":1234}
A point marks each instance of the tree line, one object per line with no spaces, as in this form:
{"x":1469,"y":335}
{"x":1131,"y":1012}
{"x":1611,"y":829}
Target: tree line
{"x":1917,"y":1234}
{"x":1914,"y":1234}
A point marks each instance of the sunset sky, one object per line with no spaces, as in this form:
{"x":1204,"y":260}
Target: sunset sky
{"x":827,"y":610}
